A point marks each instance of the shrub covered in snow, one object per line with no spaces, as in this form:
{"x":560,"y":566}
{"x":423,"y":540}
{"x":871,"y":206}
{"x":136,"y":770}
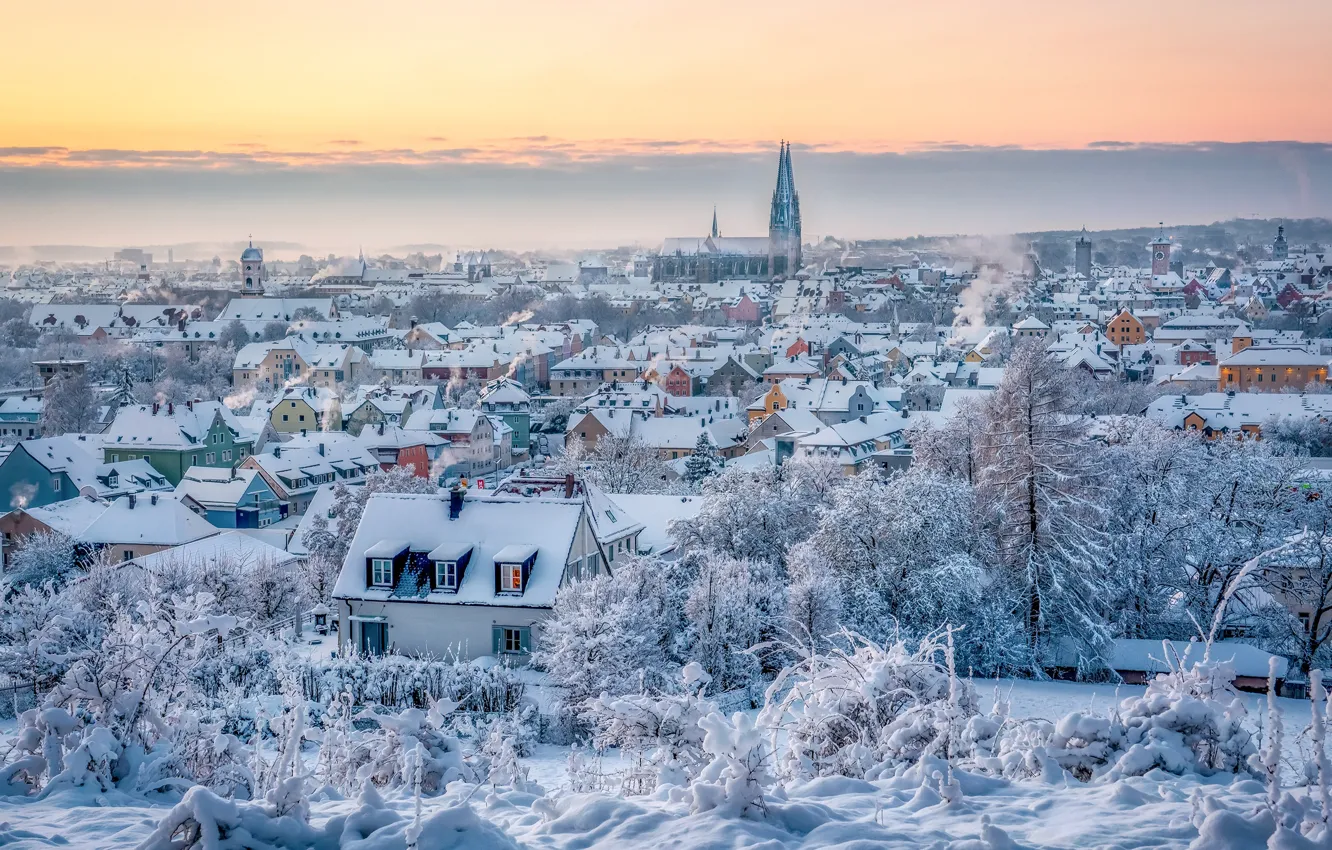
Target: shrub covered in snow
{"x":409,"y":748}
{"x":397,"y":681}
{"x":861,"y":704}
{"x":663,"y":732}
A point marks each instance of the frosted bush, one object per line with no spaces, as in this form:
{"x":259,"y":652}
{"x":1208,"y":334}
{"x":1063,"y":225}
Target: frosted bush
{"x":854,"y":707}
{"x":662,"y":732}
{"x":386,"y":755}
{"x":735,"y":779}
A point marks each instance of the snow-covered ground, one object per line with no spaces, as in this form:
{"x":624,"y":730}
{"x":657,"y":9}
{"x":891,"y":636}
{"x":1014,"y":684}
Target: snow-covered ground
{"x":904,"y":811}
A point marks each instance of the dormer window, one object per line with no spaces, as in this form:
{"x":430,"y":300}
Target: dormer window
{"x":513,"y":567}
{"x":381,"y":572}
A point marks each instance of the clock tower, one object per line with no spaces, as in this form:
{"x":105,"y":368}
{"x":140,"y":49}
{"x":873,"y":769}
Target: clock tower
{"x":1160,"y":248}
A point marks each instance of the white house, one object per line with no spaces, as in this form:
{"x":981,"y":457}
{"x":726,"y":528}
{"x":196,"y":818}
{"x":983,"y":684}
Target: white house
{"x":438,"y":574}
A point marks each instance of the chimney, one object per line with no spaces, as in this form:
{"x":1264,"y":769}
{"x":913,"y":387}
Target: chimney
{"x":171,"y":408}
{"x":568,"y":485}
{"x":381,"y":430}
{"x":277,"y":451}
{"x":131,"y":501}
{"x":154,"y":498}
{"x":155,"y":408}
{"x":302,"y":432}
{"x":190,"y":404}
{"x":321,"y":449}
{"x":455,"y":502}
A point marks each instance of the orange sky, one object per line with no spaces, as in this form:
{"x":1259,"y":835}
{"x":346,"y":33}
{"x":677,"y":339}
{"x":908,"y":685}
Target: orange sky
{"x":422,"y":75}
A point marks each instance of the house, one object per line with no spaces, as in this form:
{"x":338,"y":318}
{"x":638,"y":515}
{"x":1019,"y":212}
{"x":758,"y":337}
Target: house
{"x":508,"y":400}
{"x":1261,"y":369}
{"x":1125,"y":329}
{"x":429,"y":335}
{"x":306,"y":409}
{"x":832,"y":401}
{"x":231,"y":498}
{"x":296,"y":360}
{"x":1217,"y":414}
{"x":1029,"y":328}
{"x":791,"y":368}
{"x":875,"y":438}
{"x":128,"y":526}
{"x":394,"y":446}
{"x":40,"y":472}
{"x":278,"y":309}
{"x":175,"y":437}
{"x":296,"y":469}
{"x":437,"y":575}
{"x":229,"y":547}
{"x":380,"y":407}
{"x":20,"y":417}
{"x":470,"y":437}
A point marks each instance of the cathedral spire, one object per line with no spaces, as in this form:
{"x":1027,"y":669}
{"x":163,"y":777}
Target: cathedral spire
{"x":784,"y":219}
{"x":715,"y":231}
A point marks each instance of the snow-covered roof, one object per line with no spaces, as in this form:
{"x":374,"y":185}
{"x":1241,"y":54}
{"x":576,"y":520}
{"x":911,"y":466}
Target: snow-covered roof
{"x":152,"y":520}
{"x":496,"y":527}
{"x":656,"y":512}
{"x":232,"y":546}
{"x":216,"y":486}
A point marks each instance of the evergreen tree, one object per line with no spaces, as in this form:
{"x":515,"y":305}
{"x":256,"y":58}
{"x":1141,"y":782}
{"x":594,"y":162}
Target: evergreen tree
{"x":704,"y":461}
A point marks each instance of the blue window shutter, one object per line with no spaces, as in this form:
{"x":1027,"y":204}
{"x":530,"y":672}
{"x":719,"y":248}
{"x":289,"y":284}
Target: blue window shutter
{"x":496,"y":639}
{"x":525,"y":639}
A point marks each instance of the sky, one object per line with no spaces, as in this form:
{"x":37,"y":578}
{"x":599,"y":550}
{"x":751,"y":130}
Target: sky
{"x":530,"y":124}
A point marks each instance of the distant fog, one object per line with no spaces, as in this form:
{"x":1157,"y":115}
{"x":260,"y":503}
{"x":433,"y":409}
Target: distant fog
{"x":640,"y":199}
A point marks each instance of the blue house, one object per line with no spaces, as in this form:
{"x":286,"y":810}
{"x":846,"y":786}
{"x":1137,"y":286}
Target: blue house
{"x":231,"y":498}
{"x":52,"y":469}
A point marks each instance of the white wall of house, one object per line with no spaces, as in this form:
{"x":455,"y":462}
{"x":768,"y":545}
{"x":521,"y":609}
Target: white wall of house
{"x":431,"y":628}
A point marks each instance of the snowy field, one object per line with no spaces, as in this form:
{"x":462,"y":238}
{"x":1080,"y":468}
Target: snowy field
{"x":905,"y":810}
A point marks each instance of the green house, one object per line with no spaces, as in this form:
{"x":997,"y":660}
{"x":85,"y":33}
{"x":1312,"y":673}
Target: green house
{"x":174,"y":437}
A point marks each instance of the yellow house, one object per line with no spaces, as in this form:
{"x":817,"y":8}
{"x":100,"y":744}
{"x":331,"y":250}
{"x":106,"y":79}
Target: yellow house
{"x":295,"y":360}
{"x":306,"y":409}
{"x":773,"y":400}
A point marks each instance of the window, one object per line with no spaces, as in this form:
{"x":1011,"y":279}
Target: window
{"x":446,"y":575}
{"x":513,"y":640}
{"x":55,"y":484}
{"x":381,"y":572}
{"x":127,"y":555}
{"x":511,"y":578}
{"x":284,"y":417}
{"x":226,"y":455}
{"x":115,"y":458}
{"x":302,"y":417}
{"x":211,"y":457}
{"x":194,"y":459}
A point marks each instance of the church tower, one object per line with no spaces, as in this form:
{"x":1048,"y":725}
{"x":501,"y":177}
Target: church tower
{"x":1280,"y":250}
{"x":1082,"y":255}
{"x":253,"y":271}
{"x":784,"y":220}
{"x":716,"y":231}
{"x":1160,"y":248}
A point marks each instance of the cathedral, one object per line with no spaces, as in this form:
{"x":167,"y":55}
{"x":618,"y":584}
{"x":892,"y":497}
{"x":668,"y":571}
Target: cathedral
{"x":715,"y":257}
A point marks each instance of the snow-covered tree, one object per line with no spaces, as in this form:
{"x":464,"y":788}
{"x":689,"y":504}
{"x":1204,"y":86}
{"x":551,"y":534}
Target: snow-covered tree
{"x":68,"y":406}
{"x":1040,"y":476}
{"x":733,"y":606}
{"x":607,"y":634}
{"x":44,"y":557}
{"x":703,"y":462}
{"x":625,"y":465}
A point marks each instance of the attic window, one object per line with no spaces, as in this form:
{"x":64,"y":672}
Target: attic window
{"x":381,"y":572}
